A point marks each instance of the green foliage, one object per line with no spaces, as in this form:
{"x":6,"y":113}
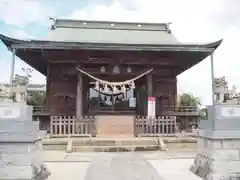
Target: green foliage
{"x":188,"y":99}
{"x":203,"y":113}
{"x":21,"y":80}
{"x":36,"y":98}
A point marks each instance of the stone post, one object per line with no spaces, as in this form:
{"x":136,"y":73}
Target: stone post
{"x":12,"y":67}
{"x":218,"y":146}
{"x":20,"y":144}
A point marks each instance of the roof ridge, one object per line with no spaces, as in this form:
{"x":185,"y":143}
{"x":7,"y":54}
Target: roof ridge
{"x":100,"y":21}
{"x":93,"y":24}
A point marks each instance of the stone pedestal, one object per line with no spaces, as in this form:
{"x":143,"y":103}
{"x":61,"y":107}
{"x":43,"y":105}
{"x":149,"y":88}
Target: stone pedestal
{"x":20,"y":144}
{"x":218,"y":146}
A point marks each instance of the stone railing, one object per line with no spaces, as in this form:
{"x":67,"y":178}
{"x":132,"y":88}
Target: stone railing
{"x":157,"y":126}
{"x":70,"y":126}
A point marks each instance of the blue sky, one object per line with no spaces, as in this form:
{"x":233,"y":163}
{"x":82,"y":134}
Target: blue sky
{"x":192,"y":21}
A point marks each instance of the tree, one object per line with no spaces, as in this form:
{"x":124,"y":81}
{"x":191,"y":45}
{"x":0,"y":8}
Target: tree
{"x":36,"y":98}
{"x":21,"y":80}
{"x":188,"y":99}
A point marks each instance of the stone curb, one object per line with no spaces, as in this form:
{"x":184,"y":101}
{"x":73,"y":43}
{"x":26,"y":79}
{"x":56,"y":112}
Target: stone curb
{"x":75,"y":161}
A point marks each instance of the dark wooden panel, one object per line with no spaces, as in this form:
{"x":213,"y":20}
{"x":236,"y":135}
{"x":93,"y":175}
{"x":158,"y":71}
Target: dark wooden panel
{"x":165,"y":93}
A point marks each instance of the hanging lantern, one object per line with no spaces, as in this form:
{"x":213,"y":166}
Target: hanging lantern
{"x":133,"y":85}
{"x":97,"y":85}
{"x":123,"y":89}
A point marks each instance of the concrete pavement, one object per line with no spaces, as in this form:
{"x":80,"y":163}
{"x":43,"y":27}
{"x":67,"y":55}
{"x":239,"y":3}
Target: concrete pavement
{"x":67,"y":170}
{"x":75,"y":166}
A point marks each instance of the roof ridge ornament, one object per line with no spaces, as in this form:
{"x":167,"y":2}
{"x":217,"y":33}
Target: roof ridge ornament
{"x":168,"y":27}
{"x":53,"y":25}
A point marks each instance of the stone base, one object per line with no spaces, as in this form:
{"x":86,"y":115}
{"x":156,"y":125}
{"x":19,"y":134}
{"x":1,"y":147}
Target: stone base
{"x":217,"y":159}
{"x":22,"y":161}
{"x":20,"y":144}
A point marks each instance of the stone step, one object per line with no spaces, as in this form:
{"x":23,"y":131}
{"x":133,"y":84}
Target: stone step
{"x":115,"y":148}
{"x":86,"y":144}
{"x":181,"y":145}
{"x":116,"y":142}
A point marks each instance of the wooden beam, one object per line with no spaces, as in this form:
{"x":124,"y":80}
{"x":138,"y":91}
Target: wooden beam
{"x":158,"y":62}
{"x":166,"y":80}
{"x":115,"y":47}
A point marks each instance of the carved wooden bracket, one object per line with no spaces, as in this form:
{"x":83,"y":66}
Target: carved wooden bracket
{"x":64,"y":96}
{"x":164,"y":95}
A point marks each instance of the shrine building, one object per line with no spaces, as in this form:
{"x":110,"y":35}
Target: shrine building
{"x":109,"y":70}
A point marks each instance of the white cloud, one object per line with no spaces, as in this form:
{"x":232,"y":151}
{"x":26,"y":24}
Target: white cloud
{"x":21,"y":34}
{"x":22,"y":12}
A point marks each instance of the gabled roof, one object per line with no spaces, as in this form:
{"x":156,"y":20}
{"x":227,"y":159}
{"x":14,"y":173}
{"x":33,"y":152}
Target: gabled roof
{"x":82,"y":34}
{"x":111,"y":32}
{"x":98,"y":35}
{"x":46,"y":44}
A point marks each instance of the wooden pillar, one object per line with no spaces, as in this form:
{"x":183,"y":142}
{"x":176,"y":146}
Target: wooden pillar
{"x":150,"y":84}
{"x":149,"y":91}
{"x":47,"y":101}
{"x":79,"y":97}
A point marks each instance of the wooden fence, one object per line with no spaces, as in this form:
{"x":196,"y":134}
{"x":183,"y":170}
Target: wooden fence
{"x":70,"y":126}
{"x":156,"y":126}
{"x":62,"y":126}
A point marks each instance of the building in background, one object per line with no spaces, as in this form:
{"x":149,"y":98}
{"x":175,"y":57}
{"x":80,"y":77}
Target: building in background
{"x":21,"y":92}
{"x":225,"y":95}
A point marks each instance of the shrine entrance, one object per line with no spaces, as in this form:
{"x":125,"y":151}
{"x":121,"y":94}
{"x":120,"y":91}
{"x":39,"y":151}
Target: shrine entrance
{"x":114,"y":101}
{"x":107,"y":101}
{"x":116,"y":94}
